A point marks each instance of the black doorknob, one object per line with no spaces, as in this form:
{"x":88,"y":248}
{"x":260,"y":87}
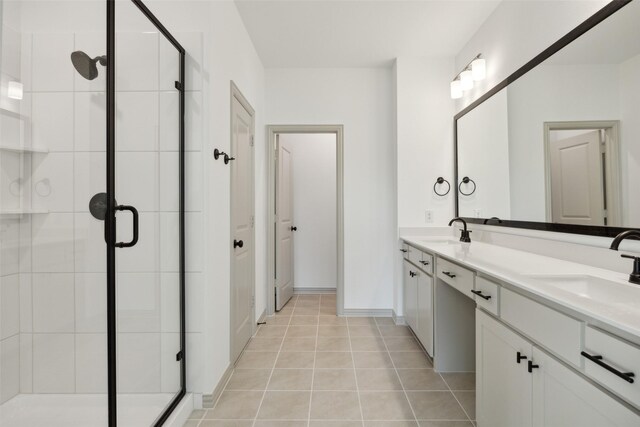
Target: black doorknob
{"x":238,"y":244}
{"x":294,"y":228}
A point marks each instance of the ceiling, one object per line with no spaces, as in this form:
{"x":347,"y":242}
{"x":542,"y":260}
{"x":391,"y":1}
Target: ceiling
{"x":359,"y":33}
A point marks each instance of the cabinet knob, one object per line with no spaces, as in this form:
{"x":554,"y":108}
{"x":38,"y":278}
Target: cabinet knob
{"x":520,"y":357}
{"x":238,"y":244}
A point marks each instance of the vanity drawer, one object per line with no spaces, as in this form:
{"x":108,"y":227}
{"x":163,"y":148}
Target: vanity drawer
{"x":616,"y":354}
{"x":405,"y":250}
{"x":487,"y":295}
{"x":415,"y":255}
{"x":558,"y":332}
{"x":426,"y":263}
{"x":458,"y":277}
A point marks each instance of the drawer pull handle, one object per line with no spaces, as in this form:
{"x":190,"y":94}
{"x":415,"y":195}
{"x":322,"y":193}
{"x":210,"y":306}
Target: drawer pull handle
{"x":412,"y":274}
{"x":404,"y":250}
{"x":627,"y":376}
{"x":520,"y":357}
{"x":531,"y":366}
{"x":487,"y":297}
{"x":448,"y":273}
{"x":424,"y":262}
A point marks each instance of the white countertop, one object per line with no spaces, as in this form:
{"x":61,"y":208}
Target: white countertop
{"x":615,"y":303}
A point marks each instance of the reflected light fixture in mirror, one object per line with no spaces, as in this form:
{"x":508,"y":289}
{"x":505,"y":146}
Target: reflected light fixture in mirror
{"x":456,"y":89}
{"x":14,"y":90}
{"x":474,"y":71}
{"x":479,"y":69}
{"x":466,"y":80}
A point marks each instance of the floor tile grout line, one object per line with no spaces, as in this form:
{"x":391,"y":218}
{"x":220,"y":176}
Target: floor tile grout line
{"x":406,"y":396}
{"x":355,"y":373}
{"x":313,"y":372}
{"x":455,"y":397}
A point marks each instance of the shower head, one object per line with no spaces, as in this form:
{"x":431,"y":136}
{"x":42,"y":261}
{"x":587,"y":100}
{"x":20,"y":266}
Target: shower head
{"x":86,"y":66}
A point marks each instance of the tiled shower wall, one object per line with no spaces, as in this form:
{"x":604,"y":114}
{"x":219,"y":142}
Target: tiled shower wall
{"x":53,"y":282}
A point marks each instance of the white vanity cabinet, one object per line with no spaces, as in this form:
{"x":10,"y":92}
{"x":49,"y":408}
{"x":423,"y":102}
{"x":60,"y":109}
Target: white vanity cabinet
{"x":418,"y":295}
{"x":410,"y":295}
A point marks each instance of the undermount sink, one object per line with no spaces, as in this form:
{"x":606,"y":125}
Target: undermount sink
{"x":594,"y":288}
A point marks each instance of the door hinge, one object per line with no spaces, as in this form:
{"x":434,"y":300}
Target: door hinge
{"x":179,"y":356}
{"x":253,"y":221}
{"x":252,"y":140}
{"x":253,"y":301}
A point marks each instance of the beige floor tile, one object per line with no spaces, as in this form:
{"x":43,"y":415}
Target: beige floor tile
{"x":285,"y":405}
{"x":371,"y":359}
{"x":385,"y":321}
{"x":191,"y":423}
{"x":197,"y":414}
{"x":264,"y":344}
{"x":363,"y":331}
{"x":424,"y":423}
{"x":249,"y":379}
{"x":224,"y":423}
{"x":461,"y":380}
{"x":304,"y":320}
{"x":299,"y":344}
{"x":421,"y":379}
{"x":327,"y":311}
{"x":435,"y":405}
{"x":333,"y":344}
{"x":271,"y":331}
{"x":334,"y":379}
{"x":367,"y":344}
{"x":291,"y":379}
{"x":395,"y":331}
{"x":236,"y":405}
{"x":410,"y":360}
{"x":309,"y":297}
{"x":468,"y":401}
{"x":334,"y":359}
{"x":257,"y":360}
{"x":385,"y":405}
{"x":335,"y":405}
{"x":332,"y":331}
{"x":405,"y":423}
{"x":378,"y":380}
{"x":306,"y":311}
{"x":361,"y":321}
{"x":402,"y":344}
{"x":280,"y":423}
{"x":302,"y":331}
{"x":295,"y":360}
{"x":278,"y":320}
{"x":332,"y":320}
{"x":330,"y":423}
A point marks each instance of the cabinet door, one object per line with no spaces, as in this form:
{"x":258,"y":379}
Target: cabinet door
{"x":563,"y":398}
{"x":410,"y":296}
{"x":425,"y":311}
{"x":504,"y":386}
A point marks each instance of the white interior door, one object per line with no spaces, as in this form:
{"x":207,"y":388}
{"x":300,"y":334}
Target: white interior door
{"x":577,"y":194}
{"x":284,"y":225}
{"x":242,"y":236}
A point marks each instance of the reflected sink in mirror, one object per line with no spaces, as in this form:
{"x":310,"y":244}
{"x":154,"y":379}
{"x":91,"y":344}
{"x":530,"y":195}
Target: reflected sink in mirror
{"x":594,"y":288}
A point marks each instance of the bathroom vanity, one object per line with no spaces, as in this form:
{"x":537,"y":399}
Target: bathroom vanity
{"x":553,"y":343}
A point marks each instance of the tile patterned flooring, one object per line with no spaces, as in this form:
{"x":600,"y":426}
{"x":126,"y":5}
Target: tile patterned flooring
{"x":309,"y":368}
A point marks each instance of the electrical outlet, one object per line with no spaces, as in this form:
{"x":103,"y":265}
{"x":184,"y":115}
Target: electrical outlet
{"x":428,"y":216}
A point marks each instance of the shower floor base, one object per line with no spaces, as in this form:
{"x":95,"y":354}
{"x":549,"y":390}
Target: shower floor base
{"x":86,"y":410}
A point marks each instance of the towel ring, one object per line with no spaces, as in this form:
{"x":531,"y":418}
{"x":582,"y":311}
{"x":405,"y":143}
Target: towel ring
{"x":467,"y":180}
{"x":441,"y":180}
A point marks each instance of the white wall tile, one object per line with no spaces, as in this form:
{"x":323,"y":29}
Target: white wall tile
{"x":194,"y":241}
{"x":90,"y":126}
{"x":10,"y":170}
{"x":195,"y":302}
{"x":139,"y":363}
{"x":26,"y":58}
{"x":26,"y":363}
{"x":53,"y":302}
{"x":193,"y":181}
{"x":192,"y":43}
{"x":137,"y":61}
{"x":9,"y":306}
{"x":52,"y":69}
{"x":25,"y":243}
{"x":196,"y":365}
{"x":90,"y":249}
{"x":145,"y":255}
{"x":170,"y":300}
{"x":169,"y":182}
{"x":52,"y":182}
{"x":91,"y":363}
{"x":137,"y":121}
{"x":9,"y":368}
{"x":91,"y":302}
{"x":169,"y":124}
{"x":93,"y":44}
{"x":52,"y":242}
{"x":169,"y":241}
{"x":138,"y":302}
{"x":52,"y":121}
{"x":26,"y":301}
{"x":193,"y":121}
{"x":53,"y":363}
{"x":170,"y":376}
{"x":90,"y":178}
{"x":9,"y":247}
{"x":169,"y":65}
{"x":137,"y":180}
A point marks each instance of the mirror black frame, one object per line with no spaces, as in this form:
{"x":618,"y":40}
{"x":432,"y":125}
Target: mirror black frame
{"x":591,"y":230}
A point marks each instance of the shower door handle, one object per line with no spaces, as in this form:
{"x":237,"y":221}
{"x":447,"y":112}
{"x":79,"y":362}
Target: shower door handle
{"x":134,"y":212}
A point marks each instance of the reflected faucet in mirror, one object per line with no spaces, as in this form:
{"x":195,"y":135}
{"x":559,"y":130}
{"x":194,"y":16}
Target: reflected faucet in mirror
{"x":634,"y":277}
{"x":493,"y":218}
{"x":464,"y":235}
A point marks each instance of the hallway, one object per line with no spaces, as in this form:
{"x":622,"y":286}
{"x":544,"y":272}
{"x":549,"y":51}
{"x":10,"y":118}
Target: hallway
{"x":308,"y":367}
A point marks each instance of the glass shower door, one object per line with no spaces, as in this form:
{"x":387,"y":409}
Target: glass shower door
{"x":148,"y":267}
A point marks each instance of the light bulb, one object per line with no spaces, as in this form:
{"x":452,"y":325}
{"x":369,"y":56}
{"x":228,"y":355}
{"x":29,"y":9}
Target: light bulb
{"x":456,"y":89}
{"x":479,"y":69}
{"x":466,"y":80}
{"x":14,"y":90}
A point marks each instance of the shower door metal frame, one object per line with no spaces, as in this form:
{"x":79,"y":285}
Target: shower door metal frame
{"x":110,"y":220}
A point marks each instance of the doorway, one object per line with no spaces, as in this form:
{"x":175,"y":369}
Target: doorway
{"x":305,"y":235}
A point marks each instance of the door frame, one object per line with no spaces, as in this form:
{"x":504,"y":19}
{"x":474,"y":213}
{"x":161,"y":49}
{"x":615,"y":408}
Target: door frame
{"x":272,"y":131}
{"x":612,"y":157}
{"x":238,"y":96}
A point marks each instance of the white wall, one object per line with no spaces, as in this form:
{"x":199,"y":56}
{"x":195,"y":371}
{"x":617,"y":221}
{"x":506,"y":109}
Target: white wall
{"x":313,"y":178}
{"x":361,"y":100}
{"x":630,"y":130}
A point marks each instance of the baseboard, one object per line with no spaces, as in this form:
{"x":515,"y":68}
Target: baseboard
{"x":263,"y":316}
{"x":398,"y":320}
{"x":367,"y":312}
{"x":306,"y":291}
{"x":208,"y":400}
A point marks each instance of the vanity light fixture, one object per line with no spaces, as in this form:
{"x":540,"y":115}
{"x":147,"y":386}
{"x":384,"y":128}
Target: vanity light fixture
{"x":475,"y":71}
{"x":14,"y":91}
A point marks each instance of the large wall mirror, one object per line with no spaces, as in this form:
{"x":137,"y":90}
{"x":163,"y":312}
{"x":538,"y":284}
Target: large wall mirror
{"x":557,"y":145}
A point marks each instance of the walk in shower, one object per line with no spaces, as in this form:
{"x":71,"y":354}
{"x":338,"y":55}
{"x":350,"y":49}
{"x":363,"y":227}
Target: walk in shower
{"x":92,"y":282}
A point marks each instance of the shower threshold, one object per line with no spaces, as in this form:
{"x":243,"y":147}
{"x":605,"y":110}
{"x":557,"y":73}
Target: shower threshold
{"x":86,"y":410}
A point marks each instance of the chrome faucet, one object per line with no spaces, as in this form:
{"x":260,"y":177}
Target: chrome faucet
{"x":634,"y":277}
{"x":464,"y":236}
